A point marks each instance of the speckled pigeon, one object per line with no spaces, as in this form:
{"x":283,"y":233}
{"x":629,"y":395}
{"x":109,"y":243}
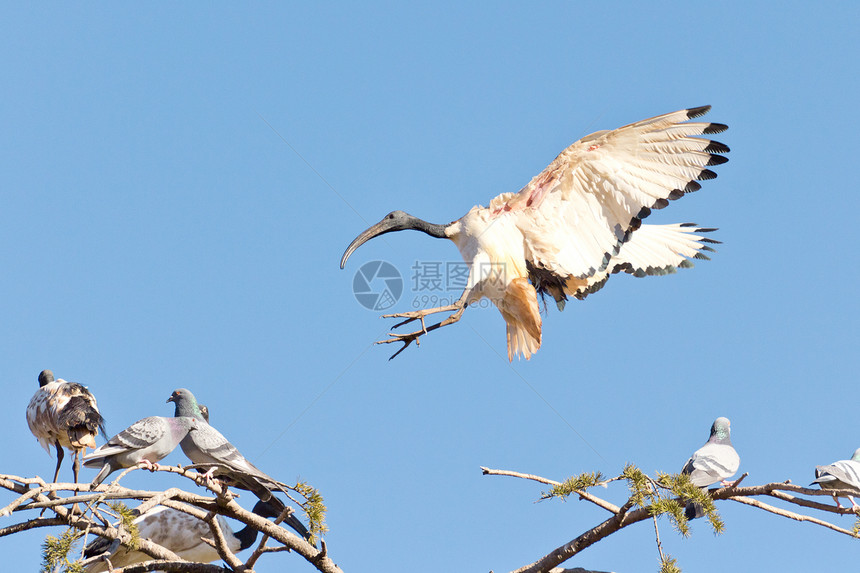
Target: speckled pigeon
{"x":844,"y":474}
{"x":206,"y":445}
{"x":177,"y":531}
{"x":145,"y":442}
{"x":714,"y":462}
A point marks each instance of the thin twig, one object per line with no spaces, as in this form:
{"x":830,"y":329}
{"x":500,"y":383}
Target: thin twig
{"x":790,"y":514}
{"x":656,"y":529}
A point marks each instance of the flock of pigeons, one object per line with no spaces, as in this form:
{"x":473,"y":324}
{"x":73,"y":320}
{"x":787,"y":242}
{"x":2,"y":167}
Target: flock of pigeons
{"x":66,"y":415}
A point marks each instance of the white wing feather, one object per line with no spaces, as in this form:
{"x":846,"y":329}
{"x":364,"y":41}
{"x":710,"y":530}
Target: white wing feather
{"x":576,"y":214}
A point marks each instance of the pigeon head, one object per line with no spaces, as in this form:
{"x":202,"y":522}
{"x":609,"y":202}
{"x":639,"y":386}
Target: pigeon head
{"x":721,"y":431}
{"x":45,"y":378}
{"x":186,"y":404}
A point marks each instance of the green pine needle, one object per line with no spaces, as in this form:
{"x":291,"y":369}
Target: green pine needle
{"x":574,"y":484}
{"x":314,"y":508}
{"x":55,"y":551}
{"x":669,"y":565}
{"x":126,"y":518}
{"x":640,"y":491}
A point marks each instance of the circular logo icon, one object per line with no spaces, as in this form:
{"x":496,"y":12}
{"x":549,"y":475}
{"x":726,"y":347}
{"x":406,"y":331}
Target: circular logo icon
{"x":377,"y":285}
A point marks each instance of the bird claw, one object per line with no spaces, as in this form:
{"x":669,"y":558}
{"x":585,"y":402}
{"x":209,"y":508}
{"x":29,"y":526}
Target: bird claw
{"x":407,"y":338}
{"x":209,"y":479}
{"x":148,"y":465}
{"x":413,"y":315}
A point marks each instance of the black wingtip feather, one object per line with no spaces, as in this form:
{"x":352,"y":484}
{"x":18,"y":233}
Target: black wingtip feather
{"x":705,"y":175}
{"x":701,"y":257}
{"x":717,"y":160}
{"x":660,"y":204}
{"x":712,"y":241}
{"x":698,"y":111}
{"x":715,"y":128}
{"x":717,"y":147}
{"x":692,"y":187}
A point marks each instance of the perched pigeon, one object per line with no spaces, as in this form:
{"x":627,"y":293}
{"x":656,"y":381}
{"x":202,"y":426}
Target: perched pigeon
{"x":844,"y":474}
{"x":145,"y":442}
{"x":64,"y":414}
{"x":206,"y":445}
{"x":178,"y":532}
{"x":714,"y":462}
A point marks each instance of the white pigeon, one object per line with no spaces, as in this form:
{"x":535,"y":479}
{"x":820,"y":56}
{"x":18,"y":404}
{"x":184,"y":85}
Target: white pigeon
{"x":145,"y":442}
{"x":714,"y":462}
{"x":844,"y":474}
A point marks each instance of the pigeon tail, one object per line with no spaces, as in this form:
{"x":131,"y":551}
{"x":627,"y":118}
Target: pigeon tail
{"x":106,"y":470}
{"x":694,"y":510}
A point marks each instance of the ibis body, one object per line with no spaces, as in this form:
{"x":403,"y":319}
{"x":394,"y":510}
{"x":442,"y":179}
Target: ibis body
{"x":65,"y":415}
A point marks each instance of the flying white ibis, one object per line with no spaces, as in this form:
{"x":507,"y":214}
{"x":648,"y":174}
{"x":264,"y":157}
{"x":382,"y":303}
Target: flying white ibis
{"x":574,"y":224}
{"x":64,"y":414}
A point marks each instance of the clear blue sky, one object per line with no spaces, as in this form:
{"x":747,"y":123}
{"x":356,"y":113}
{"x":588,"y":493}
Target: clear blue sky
{"x":179,"y":184}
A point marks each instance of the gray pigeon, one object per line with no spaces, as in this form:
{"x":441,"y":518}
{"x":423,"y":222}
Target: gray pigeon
{"x":145,"y":442}
{"x":206,"y":445}
{"x":844,"y":474}
{"x":714,"y":462}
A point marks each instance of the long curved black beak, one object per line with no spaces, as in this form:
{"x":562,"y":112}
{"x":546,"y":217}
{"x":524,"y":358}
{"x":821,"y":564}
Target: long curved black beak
{"x":384,"y":226}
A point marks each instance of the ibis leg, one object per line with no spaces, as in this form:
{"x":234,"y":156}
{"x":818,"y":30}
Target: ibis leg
{"x":76,"y":467}
{"x":60,"y":454}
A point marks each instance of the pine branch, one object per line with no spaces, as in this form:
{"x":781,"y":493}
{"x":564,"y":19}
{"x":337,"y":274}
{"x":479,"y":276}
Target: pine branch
{"x":648,"y":502}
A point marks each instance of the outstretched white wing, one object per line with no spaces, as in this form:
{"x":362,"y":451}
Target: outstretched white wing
{"x":578,"y":212}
